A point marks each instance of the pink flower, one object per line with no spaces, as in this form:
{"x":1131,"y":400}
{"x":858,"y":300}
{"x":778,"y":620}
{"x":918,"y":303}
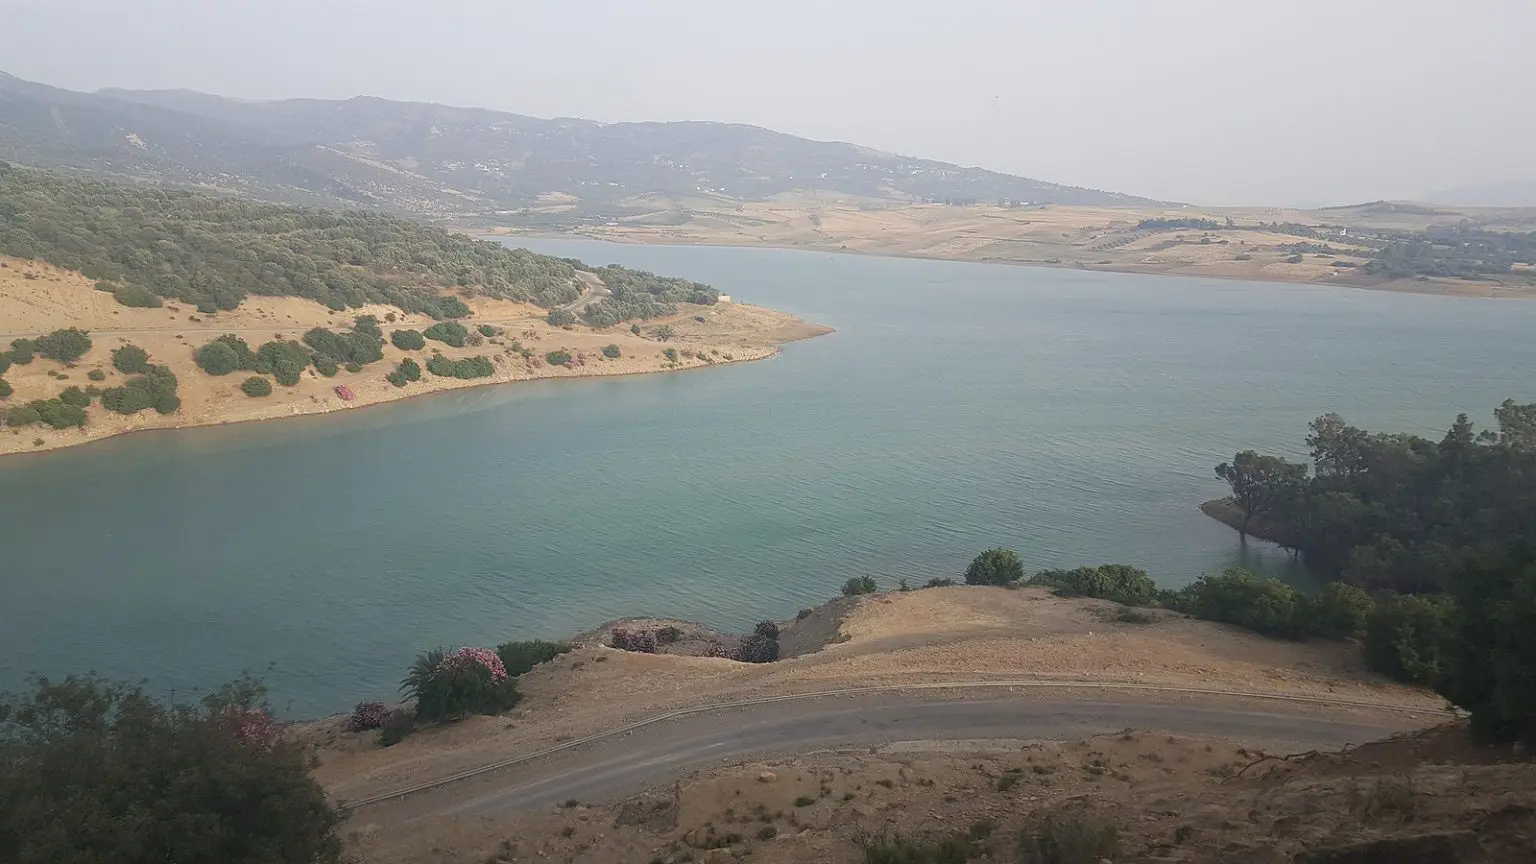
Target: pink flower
{"x":471,"y":656}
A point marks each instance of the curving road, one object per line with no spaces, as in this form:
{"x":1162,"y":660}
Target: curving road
{"x":618,"y":764}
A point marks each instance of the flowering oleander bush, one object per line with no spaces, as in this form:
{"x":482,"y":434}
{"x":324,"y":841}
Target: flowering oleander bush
{"x":254,"y":727}
{"x":453,"y":686}
{"x":370,"y":715}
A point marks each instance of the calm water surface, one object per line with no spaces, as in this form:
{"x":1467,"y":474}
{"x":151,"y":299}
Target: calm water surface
{"x":1073,"y":416}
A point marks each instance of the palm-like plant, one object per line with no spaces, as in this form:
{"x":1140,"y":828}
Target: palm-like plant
{"x":416,"y":680}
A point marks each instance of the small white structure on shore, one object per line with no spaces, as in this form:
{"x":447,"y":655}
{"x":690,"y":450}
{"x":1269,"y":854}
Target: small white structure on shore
{"x":723,"y":298}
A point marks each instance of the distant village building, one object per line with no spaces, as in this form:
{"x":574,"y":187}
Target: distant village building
{"x":724,"y":298}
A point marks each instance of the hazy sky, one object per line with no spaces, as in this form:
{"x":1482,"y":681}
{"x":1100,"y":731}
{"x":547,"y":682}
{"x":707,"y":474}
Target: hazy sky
{"x":1230,"y":102}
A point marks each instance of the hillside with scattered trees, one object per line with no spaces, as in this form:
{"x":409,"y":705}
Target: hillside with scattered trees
{"x":146,"y":243}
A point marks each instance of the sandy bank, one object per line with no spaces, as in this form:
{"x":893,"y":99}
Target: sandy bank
{"x":50,"y":299}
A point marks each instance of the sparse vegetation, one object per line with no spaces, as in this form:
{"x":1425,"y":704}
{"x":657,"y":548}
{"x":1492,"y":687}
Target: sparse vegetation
{"x":612,"y":352}
{"x":857,"y":585}
{"x":559,"y":357}
{"x":1068,"y":837}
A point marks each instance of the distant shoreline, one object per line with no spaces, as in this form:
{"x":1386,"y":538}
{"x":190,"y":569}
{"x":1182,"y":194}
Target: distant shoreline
{"x":1476,"y":290}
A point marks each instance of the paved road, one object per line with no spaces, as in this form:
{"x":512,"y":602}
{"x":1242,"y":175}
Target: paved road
{"x":655,"y":754}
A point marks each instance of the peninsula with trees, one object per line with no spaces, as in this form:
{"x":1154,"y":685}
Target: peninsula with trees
{"x":128,"y":307}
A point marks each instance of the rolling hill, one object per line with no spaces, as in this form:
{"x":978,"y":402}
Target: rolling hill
{"x":439,"y":161}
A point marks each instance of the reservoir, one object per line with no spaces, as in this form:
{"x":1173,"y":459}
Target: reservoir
{"x":1073,"y":416}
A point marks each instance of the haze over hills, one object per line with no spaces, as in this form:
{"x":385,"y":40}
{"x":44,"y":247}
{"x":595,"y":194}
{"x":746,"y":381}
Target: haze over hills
{"x":435,"y":160}
{"x":1510,"y":193}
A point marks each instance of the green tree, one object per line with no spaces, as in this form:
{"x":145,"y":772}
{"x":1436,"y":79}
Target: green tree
{"x":561,"y":317}
{"x":857,"y":585}
{"x":5,"y":389}
{"x":1118,"y":582}
{"x":1406,"y":636}
{"x":65,"y":345}
{"x":1490,"y":650}
{"x":408,"y":340}
{"x":1339,"y":611}
{"x":256,"y":386}
{"x":1260,"y":484}
{"x":410,"y":369}
{"x":95,"y":772}
{"x":217,"y":358}
{"x":75,"y":396}
{"x":22,"y":415}
{"x":1238,"y":597}
{"x":995,"y":567}
{"x":130,"y":360}
{"x":58,"y":413}
{"x":136,"y":296}
{"x":447,"y":332}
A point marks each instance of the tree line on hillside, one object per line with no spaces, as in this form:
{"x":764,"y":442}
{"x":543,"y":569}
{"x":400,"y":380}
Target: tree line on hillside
{"x":144,"y":243}
{"x":638,"y":295}
{"x":1441,"y":535}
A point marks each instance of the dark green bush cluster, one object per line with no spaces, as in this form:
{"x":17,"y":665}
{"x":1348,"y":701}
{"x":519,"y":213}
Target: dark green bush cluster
{"x":1117,"y":582}
{"x":5,"y":389}
{"x":857,"y":585}
{"x":129,"y":360}
{"x":96,"y":375}
{"x":66,"y":346}
{"x":447,"y":332}
{"x":56,"y":413}
{"x":359,"y":346}
{"x":758,"y":648}
{"x":488,"y":330}
{"x":558,"y":357}
{"x":23,"y":351}
{"x":256,"y":386}
{"x":408,"y":340}
{"x":561,"y":317}
{"x":156,"y":389}
{"x":519,"y":657}
{"x":22,"y":415}
{"x":136,"y":296}
{"x":285,"y":360}
{"x":469,"y":367}
{"x":75,"y":396}
{"x":407,"y":371}
{"x":995,"y":567}
{"x":640,"y":295}
{"x":612,"y":352}
{"x":96,"y":772}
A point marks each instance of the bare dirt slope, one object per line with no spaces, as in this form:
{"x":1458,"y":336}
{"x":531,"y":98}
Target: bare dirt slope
{"x":36,"y":298}
{"x":1103,"y":238}
{"x":1130,"y":796}
{"x":934,"y":636}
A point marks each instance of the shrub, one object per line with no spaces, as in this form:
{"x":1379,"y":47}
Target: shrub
{"x":670,"y":354}
{"x":560,"y":357}
{"x":74,"y":396}
{"x":356,"y":346}
{"x":447,"y":332}
{"x":995,"y":567}
{"x":326,"y":366}
{"x":369,"y":715}
{"x":22,"y":351}
{"x":454,"y":685}
{"x":22,"y":415}
{"x":1406,"y":635}
{"x":5,"y":389}
{"x":96,"y":375}
{"x":519,"y":657}
{"x":137,"y":297}
{"x":216,"y":358}
{"x":1117,"y":582}
{"x":1339,"y":611}
{"x":635,"y":329}
{"x":64,"y":345}
{"x":612,"y":352}
{"x":1490,"y":652}
{"x":939,"y":582}
{"x":767,"y":629}
{"x":899,"y":849}
{"x":471,"y":367}
{"x":639,"y":641}
{"x":5,"y":363}
{"x":401,"y":722}
{"x":256,"y":386}
{"x":1068,"y":838}
{"x":410,"y":369}
{"x":668,"y":634}
{"x":141,"y":391}
{"x":758,"y":649}
{"x":487,"y":330}
{"x":57,"y":413}
{"x":408,"y":340}
{"x":1238,"y":597}
{"x":97,"y":771}
{"x":167,"y":403}
{"x":857,"y":585}
{"x":561,"y":317}
{"x":452,"y":307}
{"x":129,"y":360}
{"x":396,"y":378}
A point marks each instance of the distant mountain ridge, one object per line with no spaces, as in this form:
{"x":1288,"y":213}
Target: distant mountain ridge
{"x":1510,"y":193}
{"x":436,"y":160}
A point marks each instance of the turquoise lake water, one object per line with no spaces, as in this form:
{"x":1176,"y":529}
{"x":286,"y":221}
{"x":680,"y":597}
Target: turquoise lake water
{"x":1073,"y":416}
